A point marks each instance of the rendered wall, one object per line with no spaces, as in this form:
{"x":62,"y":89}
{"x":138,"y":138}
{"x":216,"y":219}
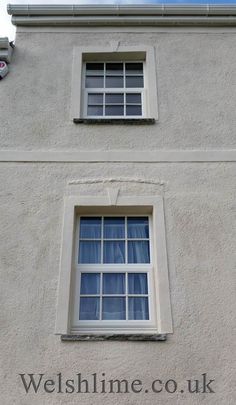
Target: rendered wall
{"x":196,"y":92}
{"x":197,"y":97}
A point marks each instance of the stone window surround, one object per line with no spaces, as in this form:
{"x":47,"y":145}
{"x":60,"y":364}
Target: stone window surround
{"x":136,"y":204}
{"x":114,"y":52}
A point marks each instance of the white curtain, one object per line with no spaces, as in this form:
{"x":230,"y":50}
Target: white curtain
{"x":138,"y":252}
{"x":90,"y":252}
{"x":138,"y":227}
{"x":90,"y":283}
{"x":138,"y":308}
{"x":114,"y":283}
{"x":89,"y":308}
{"x":114,"y":252}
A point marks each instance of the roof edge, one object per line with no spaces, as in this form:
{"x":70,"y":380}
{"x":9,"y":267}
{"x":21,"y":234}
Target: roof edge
{"x":122,"y":14}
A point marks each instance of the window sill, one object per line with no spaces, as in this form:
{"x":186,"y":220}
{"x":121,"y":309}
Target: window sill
{"x":114,"y":337}
{"x":115,"y":121}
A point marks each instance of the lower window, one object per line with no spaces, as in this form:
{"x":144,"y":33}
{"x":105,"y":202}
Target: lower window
{"x":113,"y":274}
{"x":113,"y":268}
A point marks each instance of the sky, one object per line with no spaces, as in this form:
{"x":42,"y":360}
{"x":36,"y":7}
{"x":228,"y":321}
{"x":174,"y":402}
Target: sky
{"x":8,"y":30}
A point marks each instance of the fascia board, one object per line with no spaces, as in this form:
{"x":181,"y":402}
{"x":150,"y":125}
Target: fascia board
{"x":124,"y":21}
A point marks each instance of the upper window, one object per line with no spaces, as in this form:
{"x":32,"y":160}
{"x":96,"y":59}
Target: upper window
{"x":114,"y":83}
{"x":114,"y":89}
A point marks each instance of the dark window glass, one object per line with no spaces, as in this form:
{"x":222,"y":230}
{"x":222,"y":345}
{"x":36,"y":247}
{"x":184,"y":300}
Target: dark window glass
{"x":133,"y":110}
{"x":95,"y":110}
{"x":114,"y":98}
{"x":134,"y":68}
{"x":94,"y":82}
{"x":134,"y":81}
{"x":95,"y":98}
{"x":134,"y":98}
{"x":94,"y":69}
{"x":114,"y":110}
{"x":114,"y":82}
{"x":114,"y":68}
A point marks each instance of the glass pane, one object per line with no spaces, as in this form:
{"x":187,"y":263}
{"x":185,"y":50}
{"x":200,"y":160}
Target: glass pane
{"x":90,"y":283}
{"x":138,"y":308}
{"x":114,"y":283}
{"x":114,"y":98}
{"x":94,"y":81}
{"x":114,"y":227}
{"x":114,"y":68}
{"x":138,"y":227}
{"x":95,"y":98}
{"x":114,"y":252}
{"x":133,"y":110}
{"x":94,"y":68}
{"x":137,"y":283}
{"x":138,"y":252}
{"x":89,"y":309}
{"x":114,"y":81}
{"x":95,"y":110}
{"x":114,"y":110}
{"x":133,"y":98}
{"x":134,"y":81}
{"x":113,"y":308}
{"x":90,"y":252}
{"x":90,"y":227}
{"x":134,"y":68}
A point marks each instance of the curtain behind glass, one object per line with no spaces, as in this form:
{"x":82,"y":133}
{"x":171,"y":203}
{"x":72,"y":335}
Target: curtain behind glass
{"x":137,"y":283}
{"x":114,"y":252}
{"x":138,"y":252}
{"x":138,"y":308}
{"x":114,"y":283}
{"x":90,"y":227}
{"x":89,"y":252}
{"x":137,"y":228}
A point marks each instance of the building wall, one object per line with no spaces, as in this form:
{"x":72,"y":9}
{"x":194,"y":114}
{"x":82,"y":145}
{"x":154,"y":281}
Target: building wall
{"x":196,"y":93}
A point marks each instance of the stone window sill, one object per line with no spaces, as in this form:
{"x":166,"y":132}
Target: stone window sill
{"x":114,"y":337}
{"x":115,"y":121}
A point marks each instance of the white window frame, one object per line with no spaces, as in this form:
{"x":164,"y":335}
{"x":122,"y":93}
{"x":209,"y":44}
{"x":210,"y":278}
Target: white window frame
{"x":115,"y":53}
{"x":107,"y":90}
{"x":161,"y":321}
{"x":102,"y":326}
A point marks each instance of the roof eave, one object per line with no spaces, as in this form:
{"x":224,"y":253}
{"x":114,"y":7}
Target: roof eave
{"x":81,"y":15}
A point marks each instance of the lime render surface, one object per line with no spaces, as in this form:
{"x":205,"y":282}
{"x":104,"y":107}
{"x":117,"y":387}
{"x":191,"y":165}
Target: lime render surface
{"x":180,"y":155}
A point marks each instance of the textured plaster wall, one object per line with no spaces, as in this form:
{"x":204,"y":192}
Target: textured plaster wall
{"x":196,"y":92}
{"x":200,"y":224}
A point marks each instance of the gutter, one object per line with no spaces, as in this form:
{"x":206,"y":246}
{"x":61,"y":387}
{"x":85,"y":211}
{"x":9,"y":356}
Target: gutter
{"x":147,"y":15}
